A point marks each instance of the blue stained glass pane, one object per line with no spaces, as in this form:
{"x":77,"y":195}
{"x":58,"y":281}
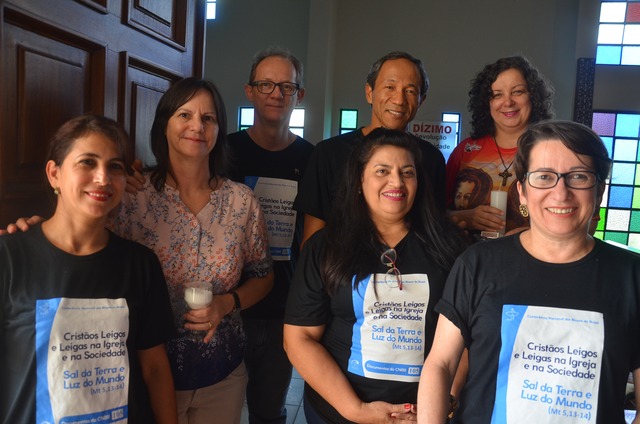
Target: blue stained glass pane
{"x":630,"y":55}
{"x":620,"y":197}
{"x":627,"y":125}
{"x":626,"y":150}
{"x":348,"y":118}
{"x":608,"y":141}
{"x":623,"y":173}
{"x":608,"y":55}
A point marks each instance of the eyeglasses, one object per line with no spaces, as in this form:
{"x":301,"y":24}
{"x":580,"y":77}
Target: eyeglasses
{"x":393,"y":277}
{"x":267,"y":87}
{"x":579,"y":180}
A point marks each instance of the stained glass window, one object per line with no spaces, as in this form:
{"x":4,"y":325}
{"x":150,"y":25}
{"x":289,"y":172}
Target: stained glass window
{"x":620,"y":208}
{"x":296,"y":122}
{"x":211,"y":9}
{"x":453,"y":117}
{"x":348,"y":120}
{"x":619,"y":33}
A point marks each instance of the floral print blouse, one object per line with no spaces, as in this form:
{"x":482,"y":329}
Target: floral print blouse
{"x":225,"y":243}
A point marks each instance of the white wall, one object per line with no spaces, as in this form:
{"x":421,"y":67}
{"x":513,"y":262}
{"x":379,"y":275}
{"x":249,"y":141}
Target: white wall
{"x":243,"y":28}
{"x":338,"y":40}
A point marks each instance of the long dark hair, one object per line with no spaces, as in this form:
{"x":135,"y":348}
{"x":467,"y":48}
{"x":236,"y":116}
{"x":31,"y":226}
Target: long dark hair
{"x":351,"y":246}
{"x":177,"y":95}
{"x":540,"y":94}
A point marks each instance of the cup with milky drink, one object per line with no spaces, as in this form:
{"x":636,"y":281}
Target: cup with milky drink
{"x":498,"y":200}
{"x":198,"y":295}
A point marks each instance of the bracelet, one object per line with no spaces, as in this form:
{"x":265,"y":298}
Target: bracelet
{"x":453,"y":405}
{"x":236,"y":301}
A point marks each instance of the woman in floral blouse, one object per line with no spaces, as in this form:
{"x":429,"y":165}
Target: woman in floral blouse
{"x":203,"y":227}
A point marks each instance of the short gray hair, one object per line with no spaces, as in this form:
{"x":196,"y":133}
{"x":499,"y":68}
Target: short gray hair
{"x":278,"y":52}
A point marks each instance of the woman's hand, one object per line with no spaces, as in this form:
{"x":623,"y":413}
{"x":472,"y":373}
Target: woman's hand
{"x":383,"y":412}
{"x":208,"y":318}
{"x":483,"y":218}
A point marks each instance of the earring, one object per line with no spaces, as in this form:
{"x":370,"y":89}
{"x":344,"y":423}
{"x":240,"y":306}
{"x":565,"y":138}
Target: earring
{"x":524,"y":210}
{"x":56,"y":191}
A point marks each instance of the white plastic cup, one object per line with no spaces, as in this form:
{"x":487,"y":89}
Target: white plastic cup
{"x":499,"y":200}
{"x":198,"y":297}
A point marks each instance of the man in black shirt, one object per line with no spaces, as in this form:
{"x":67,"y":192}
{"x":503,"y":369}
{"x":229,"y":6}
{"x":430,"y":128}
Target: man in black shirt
{"x":396,"y":87}
{"x":271,"y":159}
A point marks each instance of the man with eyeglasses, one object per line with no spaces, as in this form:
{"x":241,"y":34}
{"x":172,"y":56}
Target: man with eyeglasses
{"x":396,"y":86}
{"x":271,"y":159}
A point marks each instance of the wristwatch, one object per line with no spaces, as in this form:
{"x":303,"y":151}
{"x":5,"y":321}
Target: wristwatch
{"x":236,"y":301}
{"x":453,"y":405}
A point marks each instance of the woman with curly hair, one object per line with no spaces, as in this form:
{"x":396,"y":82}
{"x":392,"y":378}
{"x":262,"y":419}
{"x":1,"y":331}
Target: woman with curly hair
{"x":505,"y":98}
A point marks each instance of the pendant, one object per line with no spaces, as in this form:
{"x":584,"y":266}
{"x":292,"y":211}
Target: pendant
{"x":505,"y":176}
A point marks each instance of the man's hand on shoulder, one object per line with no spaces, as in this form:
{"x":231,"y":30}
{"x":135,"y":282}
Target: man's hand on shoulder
{"x":136,"y":181}
{"x":22,"y":224}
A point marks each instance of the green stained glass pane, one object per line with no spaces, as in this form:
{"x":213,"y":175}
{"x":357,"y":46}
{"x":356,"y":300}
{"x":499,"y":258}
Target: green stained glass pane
{"x":599,"y":235}
{"x":603,"y":219}
{"x":616,"y":236}
{"x":636,"y":199}
{"x":634,"y":225}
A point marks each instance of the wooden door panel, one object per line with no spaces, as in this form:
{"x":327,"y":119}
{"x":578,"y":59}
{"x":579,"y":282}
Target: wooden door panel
{"x":160,"y":19}
{"x":144,"y":83}
{"x":62,"y":58}
{"x":49,"y":76}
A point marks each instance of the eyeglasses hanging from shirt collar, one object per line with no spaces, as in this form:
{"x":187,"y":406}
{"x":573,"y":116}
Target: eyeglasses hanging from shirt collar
{"x":393,"y":277}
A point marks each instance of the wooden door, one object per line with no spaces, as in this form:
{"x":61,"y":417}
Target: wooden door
{"x":62,"y":58}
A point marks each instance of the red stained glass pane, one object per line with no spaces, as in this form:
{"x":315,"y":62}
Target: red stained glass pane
{"x":633,"y":12}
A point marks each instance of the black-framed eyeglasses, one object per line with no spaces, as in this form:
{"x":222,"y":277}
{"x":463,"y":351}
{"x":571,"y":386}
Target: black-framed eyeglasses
{"x":579,"y":180}
{"x":393,"y":277}
{"x":267,"y":87}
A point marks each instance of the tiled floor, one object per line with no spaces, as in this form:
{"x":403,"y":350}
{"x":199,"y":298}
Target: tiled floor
{"x":295,"y":413}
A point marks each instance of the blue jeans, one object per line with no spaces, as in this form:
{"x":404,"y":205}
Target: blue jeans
{"x":269,"y":371}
